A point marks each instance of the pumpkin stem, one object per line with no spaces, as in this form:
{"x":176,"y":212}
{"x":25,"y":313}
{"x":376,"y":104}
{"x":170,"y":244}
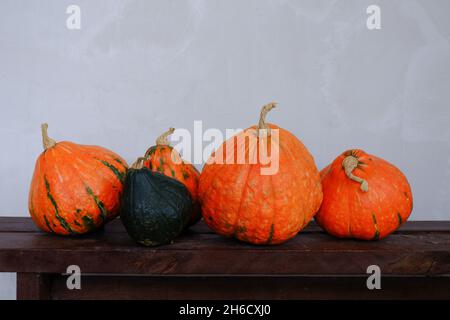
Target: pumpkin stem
{"x":349,"y":164}
{"x":139,"y":164}
{"x":162,"y":139}
{"x":262,"y":125}
{"x":47,"y":142}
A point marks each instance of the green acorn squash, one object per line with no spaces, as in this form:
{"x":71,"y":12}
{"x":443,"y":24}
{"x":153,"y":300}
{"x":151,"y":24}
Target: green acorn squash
{"x":155,"y":208}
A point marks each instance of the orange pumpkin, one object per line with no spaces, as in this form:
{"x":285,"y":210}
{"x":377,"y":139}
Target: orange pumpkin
{"x":164,"y":159}
{"x":364,"y":197}
{"x":239,"y":199}
{"x":75,"y":188}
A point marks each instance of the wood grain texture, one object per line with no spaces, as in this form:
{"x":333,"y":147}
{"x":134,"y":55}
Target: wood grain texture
{"x":214,"y":288}
{"x":414,"y":250}
{"x":414,"y":261}
{"x":33,"y":286}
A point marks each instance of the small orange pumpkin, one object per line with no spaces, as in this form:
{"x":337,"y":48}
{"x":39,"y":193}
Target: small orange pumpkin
{"x":75,"y":188}
{"x":165,"y":159}
{"x":239,"y":201}
{"x":364,"y":197}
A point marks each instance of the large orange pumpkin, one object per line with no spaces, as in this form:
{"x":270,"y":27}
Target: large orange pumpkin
{"x":164,"y":159}
{"x":239,"y":199}
{"x":75,"y":188}
{"x":364,"y":197}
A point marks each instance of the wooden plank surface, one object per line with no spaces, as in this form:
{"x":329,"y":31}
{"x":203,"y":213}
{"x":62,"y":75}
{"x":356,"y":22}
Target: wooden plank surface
{"x":33,"y":286}
{"x":211,"y":288}
{"x":419,"y":249}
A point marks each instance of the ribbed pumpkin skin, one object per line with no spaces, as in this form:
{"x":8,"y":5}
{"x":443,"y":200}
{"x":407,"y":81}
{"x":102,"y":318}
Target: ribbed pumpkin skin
{"x":166,"y":160}
{"x":237,"y":201}
{"x":155,"y":208}
{"x":348,"y":212}
{"x":75,"y":188}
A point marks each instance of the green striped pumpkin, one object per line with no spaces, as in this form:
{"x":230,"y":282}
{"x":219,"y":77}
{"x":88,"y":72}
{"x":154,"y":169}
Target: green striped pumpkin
{"x":75,"y":188}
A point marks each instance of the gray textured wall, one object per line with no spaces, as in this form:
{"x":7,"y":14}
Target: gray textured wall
{"x":137,"y":67}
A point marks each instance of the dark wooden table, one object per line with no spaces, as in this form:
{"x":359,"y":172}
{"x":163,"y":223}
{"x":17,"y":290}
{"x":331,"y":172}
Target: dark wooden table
{"x":414,"y":262}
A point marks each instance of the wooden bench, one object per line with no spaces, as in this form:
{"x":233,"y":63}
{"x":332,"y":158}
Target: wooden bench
{"x":414,"y":262}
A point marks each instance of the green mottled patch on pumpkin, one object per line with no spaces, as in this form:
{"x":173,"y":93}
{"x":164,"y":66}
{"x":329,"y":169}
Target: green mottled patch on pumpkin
{"x":150,"y":151}
{"x":241,"y":229}
{"x":89,"y":223}
{"x":98,"y":202}
{"x":160,"y":169}
{"x":376,"y":235}
{"x":350,"y":232}
{"x":227,"y":225}
{"x":61,"y":220}
{"x":120,"y":162}
{"x":272,"y":229}
{"x":172,"y":172}
{"x":48,"y":224}
{"x":374,"y":218}
{"x":117,"y":173}
{"x":400,"y":219}
{"x":185,"y":175}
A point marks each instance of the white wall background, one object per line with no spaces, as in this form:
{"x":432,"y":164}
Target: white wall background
{"x":137,"y":67}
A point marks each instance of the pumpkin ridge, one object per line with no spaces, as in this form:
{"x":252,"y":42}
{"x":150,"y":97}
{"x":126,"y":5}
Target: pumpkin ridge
{"x":400,"y":219}
{"x":98,"y":202}
{"x":376,"y":235}
{"x":48,"y":223}
{"x":92,"y":152}
{"x":156,"y":188}
{"x":66,"y":146}
{"x":374,"y":218}
{"x":210,"y":167}
{"x":88,"y":223}
{"x":274,"y":210}
{"x":87,"y":165}
{"x":114,"y":159}
{"x":299,"y":167}
{"x":351,"y":212}
{"x":63,"y":145}
{"x":293,"y":158}
{"x":37,"y":189}
{"x":271,"y":232}
{"x":244,"y":190}
{"x":117,"y":173}
{"x":61,"y":220}
{"x":32,"y":212}
{"x":118,"y":161}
